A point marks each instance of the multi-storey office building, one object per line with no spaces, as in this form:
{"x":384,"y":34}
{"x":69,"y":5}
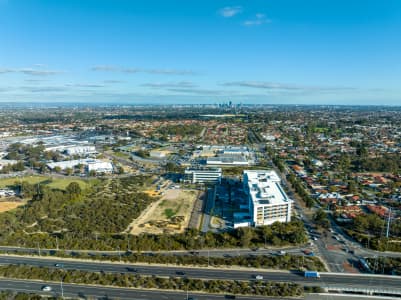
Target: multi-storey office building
{"x":268,"y":202}
{"x":202,"y":175}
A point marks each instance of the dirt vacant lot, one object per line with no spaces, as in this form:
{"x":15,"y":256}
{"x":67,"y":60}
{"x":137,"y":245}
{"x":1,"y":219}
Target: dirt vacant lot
{"x":9,"y":205}
{"x":170,"y":214}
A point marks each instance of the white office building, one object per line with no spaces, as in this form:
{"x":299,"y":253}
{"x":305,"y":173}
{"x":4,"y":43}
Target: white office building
{"x":80,"y":150}
{"x":227,"y":160}
{"x":202,"y":175}
{"x":96,"y":165}
{"x":268,"y":202}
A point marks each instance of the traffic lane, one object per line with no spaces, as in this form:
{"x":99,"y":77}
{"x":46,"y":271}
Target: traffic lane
{"x":377,"y":281}
{"x":207,"y":273}
{"x":82,"y":291}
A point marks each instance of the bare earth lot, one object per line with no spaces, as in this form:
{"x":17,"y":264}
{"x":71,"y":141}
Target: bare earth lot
{"x":170,"y":214}
{"x":9,"y":205}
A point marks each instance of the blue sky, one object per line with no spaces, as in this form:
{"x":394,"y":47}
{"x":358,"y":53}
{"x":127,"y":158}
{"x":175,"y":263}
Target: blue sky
{"x":254,"y":51}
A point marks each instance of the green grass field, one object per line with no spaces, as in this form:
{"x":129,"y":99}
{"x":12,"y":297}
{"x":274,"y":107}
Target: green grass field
{"x":56,"y":183}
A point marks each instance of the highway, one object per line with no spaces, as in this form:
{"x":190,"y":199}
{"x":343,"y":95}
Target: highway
{"x":85,"y":291}
{"x":326,"y":280}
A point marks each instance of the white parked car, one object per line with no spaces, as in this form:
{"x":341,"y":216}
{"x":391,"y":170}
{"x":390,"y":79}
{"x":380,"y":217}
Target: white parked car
{"x":46,"y":288}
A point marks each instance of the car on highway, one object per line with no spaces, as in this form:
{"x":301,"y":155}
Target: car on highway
{"x":58,"y":265}
{"x":258,"y":277}
{"x":129,"y":269}
{"x":229,"y":296}
{"x":180,"y":273}
{"x":46,"y":288}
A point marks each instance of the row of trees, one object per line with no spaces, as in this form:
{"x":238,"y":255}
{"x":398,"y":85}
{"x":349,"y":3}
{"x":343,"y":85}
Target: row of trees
{"x":385,"y":265}
{"x":17,"y":167}
{"x":12,"y":295}
{"x":300,"y":190}
{"x":370,"y":230}
{"x":279,"y":262}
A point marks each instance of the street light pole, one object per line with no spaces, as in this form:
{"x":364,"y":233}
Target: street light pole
{"x":61,"y":282}
{"x":119,"y":253}
{"x":62,"y":291}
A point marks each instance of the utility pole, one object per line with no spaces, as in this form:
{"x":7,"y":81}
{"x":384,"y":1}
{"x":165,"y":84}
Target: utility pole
{"x":388,"y":223}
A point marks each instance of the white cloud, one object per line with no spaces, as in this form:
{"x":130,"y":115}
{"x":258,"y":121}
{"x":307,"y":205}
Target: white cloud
{"x":196,"y":91}
{"x":29,"y":71}
{"x":180,"y":84}
{"x":85,"y":85}
{"x":106,"y":68}
{"x":258,"y":20}
{"x":113,"y":81}
{"x":275,"y":86}
{"x":230,"y":11}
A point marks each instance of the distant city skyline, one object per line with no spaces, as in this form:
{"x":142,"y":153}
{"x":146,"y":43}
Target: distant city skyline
{"x":188,"y":52}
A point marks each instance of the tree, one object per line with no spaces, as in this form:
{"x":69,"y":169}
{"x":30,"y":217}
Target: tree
{"x":245,"y":234}
{"x":320,"y":218}
{"x":73,"y":189}
{"x":69,"y":171}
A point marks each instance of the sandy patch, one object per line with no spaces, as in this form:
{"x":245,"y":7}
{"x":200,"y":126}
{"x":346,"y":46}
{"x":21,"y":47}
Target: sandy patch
{"x":9,"y":205}
{"x":170,"y":214}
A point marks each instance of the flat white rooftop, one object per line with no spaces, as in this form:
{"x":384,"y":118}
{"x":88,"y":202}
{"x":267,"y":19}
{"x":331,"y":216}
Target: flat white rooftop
{"x":264,"y":187}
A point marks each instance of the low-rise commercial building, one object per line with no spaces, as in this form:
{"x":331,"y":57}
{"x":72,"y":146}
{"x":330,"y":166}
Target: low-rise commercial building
{"x":202,"y":175}
{"x":80,"y":150}
{"x":96,"y":165}
{"x":228,"y":160}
